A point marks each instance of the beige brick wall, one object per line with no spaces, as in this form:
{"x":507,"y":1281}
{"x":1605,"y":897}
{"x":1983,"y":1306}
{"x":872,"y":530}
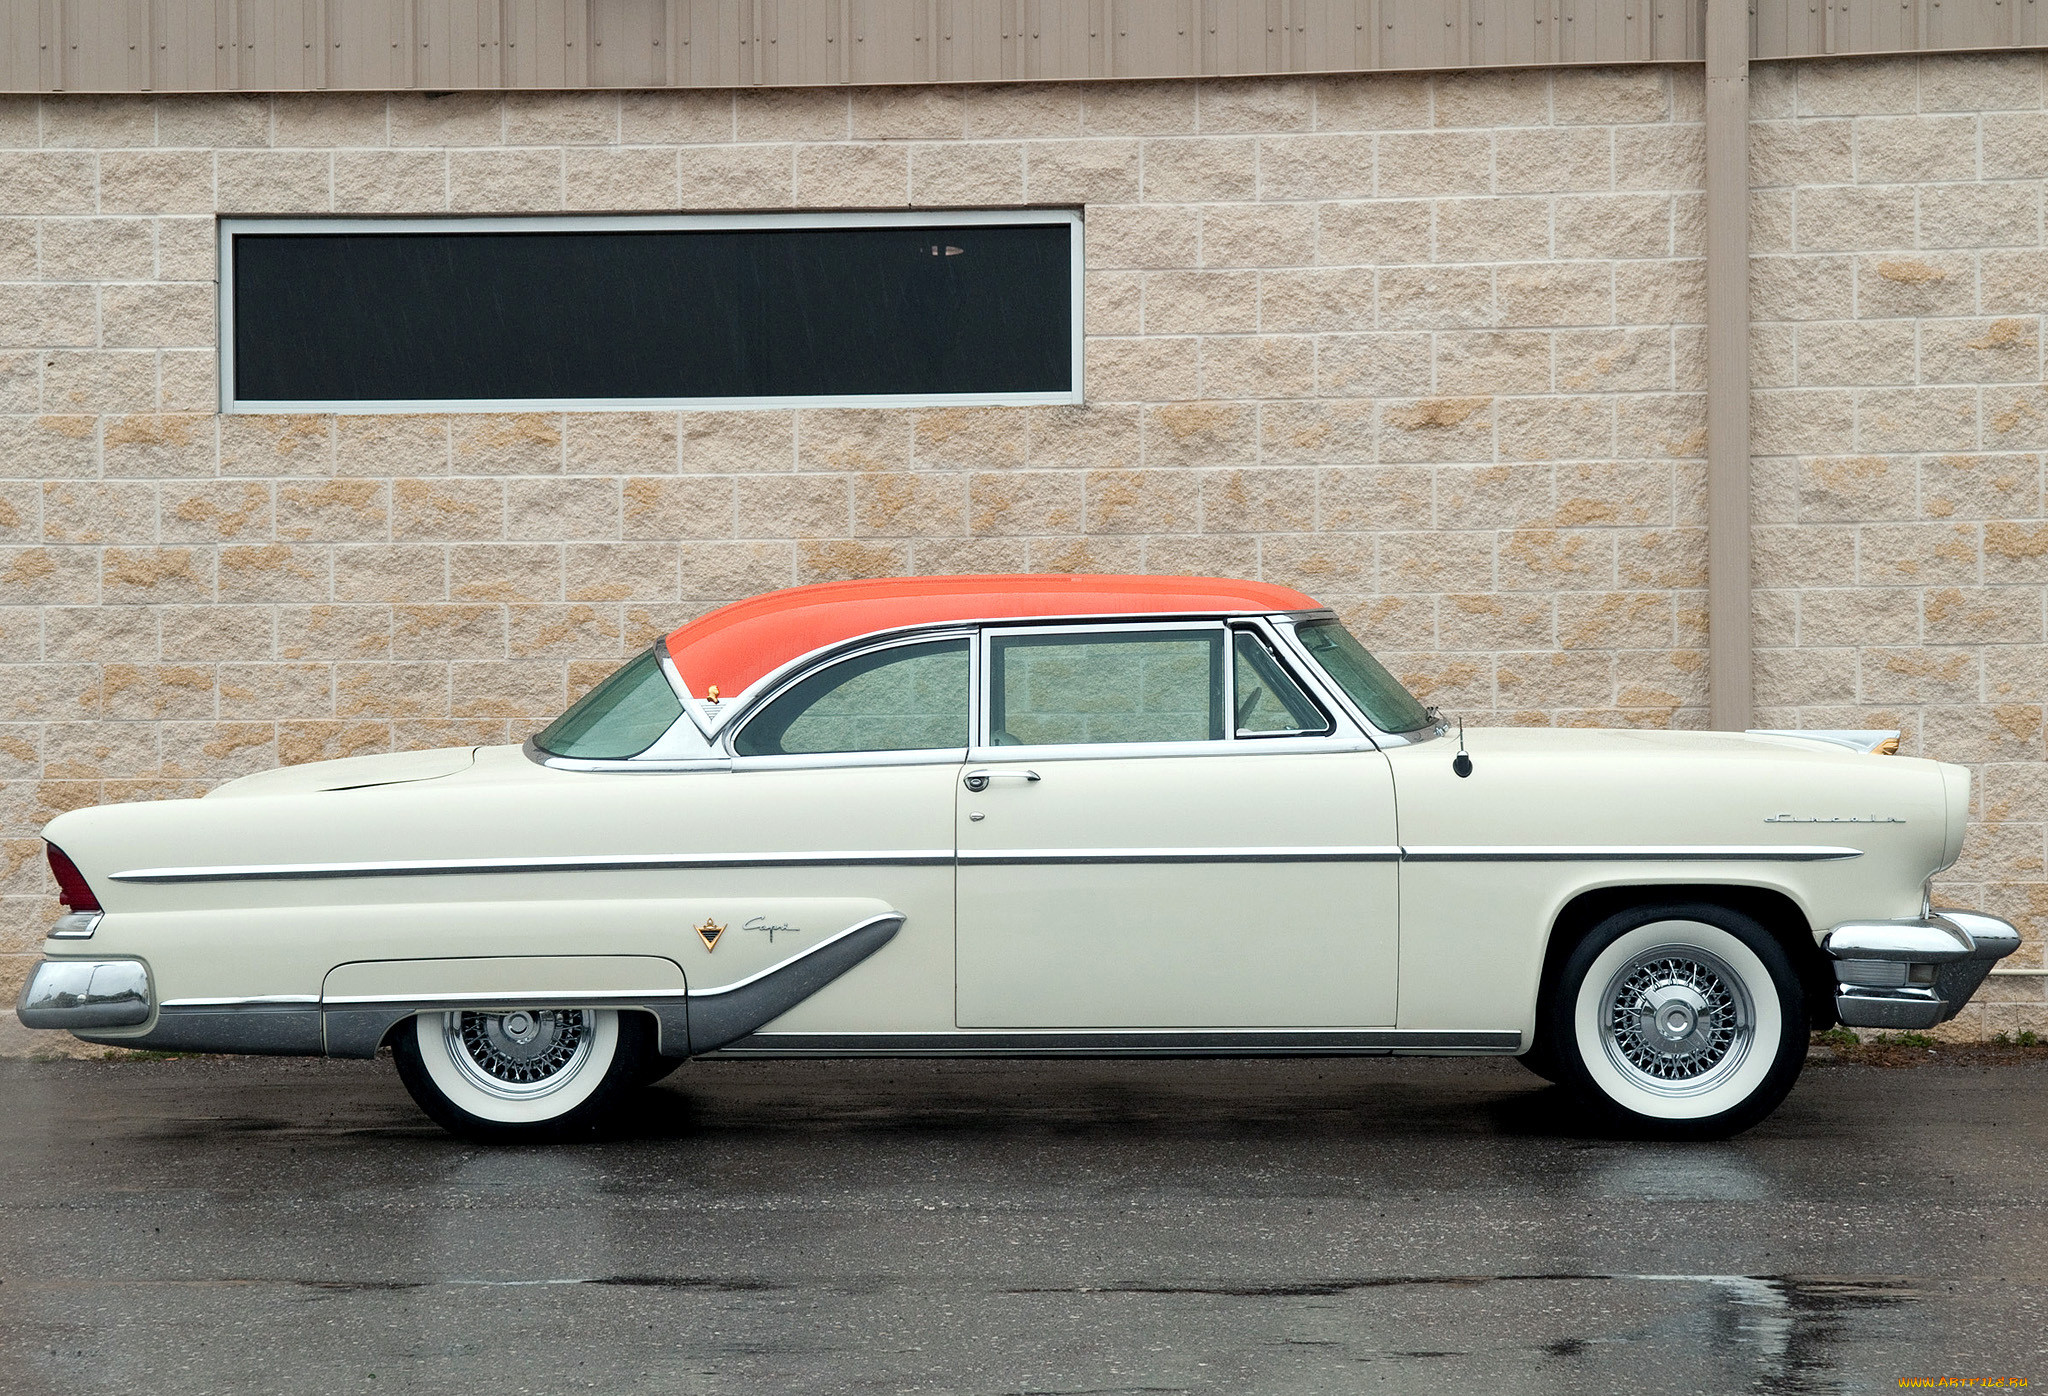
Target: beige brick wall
{"x":1898,"y":287}
{"x":1428,"y":348}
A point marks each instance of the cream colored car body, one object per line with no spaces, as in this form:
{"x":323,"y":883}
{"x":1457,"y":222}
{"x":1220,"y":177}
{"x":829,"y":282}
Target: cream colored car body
{"x":1342,"y":893}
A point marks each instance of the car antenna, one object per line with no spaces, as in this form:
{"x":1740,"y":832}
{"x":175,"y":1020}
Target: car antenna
{"x":1461,"y":764}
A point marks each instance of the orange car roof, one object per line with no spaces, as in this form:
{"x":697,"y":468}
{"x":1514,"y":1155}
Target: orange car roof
{"x":736,"y":646}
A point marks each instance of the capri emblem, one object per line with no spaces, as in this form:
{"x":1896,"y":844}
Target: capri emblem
{"x":710,"y":931}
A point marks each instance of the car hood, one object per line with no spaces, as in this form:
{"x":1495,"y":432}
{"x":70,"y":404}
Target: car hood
{"x":353,"y":772}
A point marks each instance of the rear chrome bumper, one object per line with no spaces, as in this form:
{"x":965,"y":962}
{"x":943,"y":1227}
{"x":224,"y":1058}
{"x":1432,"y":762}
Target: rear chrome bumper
{"x":85,"y":994}
{"x":1914,"y":974}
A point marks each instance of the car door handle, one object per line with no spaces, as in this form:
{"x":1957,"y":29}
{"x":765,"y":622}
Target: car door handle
{"x":977,"y":781}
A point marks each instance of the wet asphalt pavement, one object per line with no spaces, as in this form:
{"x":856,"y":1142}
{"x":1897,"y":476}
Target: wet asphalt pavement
{"x":1266,"y":1226}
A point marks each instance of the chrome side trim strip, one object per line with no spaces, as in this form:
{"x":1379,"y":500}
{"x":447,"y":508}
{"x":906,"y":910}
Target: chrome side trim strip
{"x":805,"y":954}
{"x":941,"y":857}
{"x":1157,"y":1043}
{"x":1628,"y":853}
{"x":530,"y":997}
{"x":1030,"y":856}
{"x":730,"y":1013}
{"x":249,"y":1001}
{"x":279,"y":872}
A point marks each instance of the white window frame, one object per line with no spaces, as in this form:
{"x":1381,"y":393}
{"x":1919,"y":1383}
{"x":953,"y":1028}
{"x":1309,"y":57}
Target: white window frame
{"x":231,"y":228}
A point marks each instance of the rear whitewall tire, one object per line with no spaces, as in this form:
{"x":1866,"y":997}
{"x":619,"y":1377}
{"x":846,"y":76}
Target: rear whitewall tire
{"x":451,"y":1067}
{"x":1684,"y":1022}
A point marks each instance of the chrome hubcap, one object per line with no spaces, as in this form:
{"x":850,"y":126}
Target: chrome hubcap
{"x":1676,"y":1020}
{"x":520,"y":1054}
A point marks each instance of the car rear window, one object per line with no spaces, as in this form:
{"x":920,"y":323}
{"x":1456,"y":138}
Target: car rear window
{"x":1391,"y":707}
{"x":621,"y":717}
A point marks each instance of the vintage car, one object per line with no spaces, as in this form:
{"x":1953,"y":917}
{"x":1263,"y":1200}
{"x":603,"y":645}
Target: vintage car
{"x":1027,"y":816}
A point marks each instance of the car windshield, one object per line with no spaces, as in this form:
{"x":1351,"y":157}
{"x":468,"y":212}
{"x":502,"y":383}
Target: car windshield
{"x":621,"y":717}
{"x":1391,"y":707}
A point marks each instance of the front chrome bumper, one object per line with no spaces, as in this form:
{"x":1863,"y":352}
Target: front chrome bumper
{"x":1914,"y":974}
{"x":85,"y":994}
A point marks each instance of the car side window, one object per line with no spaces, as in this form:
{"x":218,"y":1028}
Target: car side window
{"x":1106,"y":686}
{"x":1269,"y":702}
{"x":903,"y":698}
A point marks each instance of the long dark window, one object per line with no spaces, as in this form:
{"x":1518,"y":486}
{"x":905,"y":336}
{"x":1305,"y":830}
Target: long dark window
{"x":657,"y":310}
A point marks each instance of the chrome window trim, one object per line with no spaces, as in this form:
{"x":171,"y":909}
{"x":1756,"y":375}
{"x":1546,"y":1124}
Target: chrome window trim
{"x":1260,"y":634}
{"x":984,"y":697}
{"x":917,"y":756}
{"x":1284,"y":625}
{"x":231,"y":228}
{"x":1142,"y":751}
{"x":638,"y":765}
{"x":681,"y":740}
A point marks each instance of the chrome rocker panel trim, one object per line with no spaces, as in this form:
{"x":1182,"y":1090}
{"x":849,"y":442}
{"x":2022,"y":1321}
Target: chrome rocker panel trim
{"x":687,"y":1023}
{"x":1165,"y":1043}
{"x":1961,"y":946}
{"x":941,"y":857}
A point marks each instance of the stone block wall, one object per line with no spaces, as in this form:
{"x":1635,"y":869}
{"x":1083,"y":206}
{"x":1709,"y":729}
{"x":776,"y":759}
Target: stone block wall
{"x":1898,"y":284}
{"x":1426,"y":347}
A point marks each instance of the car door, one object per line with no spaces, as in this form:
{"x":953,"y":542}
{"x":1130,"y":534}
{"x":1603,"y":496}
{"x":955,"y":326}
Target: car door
{"x":1160,"y":827}
{"x":851,"y":771}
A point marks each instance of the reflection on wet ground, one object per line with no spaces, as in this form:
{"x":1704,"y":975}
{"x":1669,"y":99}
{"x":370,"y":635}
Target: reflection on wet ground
{"x":223,"y":1226}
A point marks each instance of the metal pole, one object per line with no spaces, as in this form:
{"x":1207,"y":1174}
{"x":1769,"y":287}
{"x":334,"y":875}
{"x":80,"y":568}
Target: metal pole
{"x":1730,"y":689}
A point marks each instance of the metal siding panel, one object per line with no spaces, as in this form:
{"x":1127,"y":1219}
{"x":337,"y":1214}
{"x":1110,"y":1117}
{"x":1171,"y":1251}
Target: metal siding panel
{"x":801,"y":43}
{"x":288,"y":45}
{"x":717,"y":40}
{"x":972,"y":37}
{"x":1059,"y":39}
{"x":1335,"y":36}
{"x":1679,"y":30}
{"x":274,"y":46}
{"x":1235,"y":34}
{"x":188,"y":43}
{"x":2030,"y":24}
{"x":626,"y":43}
{"x":1789,"y":28}
{"x":1510,"y":32}
{"x":1967,"y":23}
{"x":1871,"y":24}
{"x":105,"y":49}
{"x":1152,"y":39}
{"x":539,"y":45}
{"x":890,"y":41}
{"x":21,"y":45}
{"x":365,"y":44}
{"x":1417,"y":34}
{"x":457,"y":43}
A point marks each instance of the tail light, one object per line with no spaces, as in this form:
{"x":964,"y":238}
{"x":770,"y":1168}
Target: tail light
{"x":71,"y":885}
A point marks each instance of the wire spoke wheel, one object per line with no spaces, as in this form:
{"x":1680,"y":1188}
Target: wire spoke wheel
{"x":1682,"y":1020}
{"x":511,"y":1073}
{"x":1677,"y":1019}
{"x":521,"y":1053}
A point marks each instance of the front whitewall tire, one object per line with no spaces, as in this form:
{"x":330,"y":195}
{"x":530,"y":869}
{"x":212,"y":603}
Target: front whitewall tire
{"x":1737,"y":1031}
{"x":1683,"y":1021}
